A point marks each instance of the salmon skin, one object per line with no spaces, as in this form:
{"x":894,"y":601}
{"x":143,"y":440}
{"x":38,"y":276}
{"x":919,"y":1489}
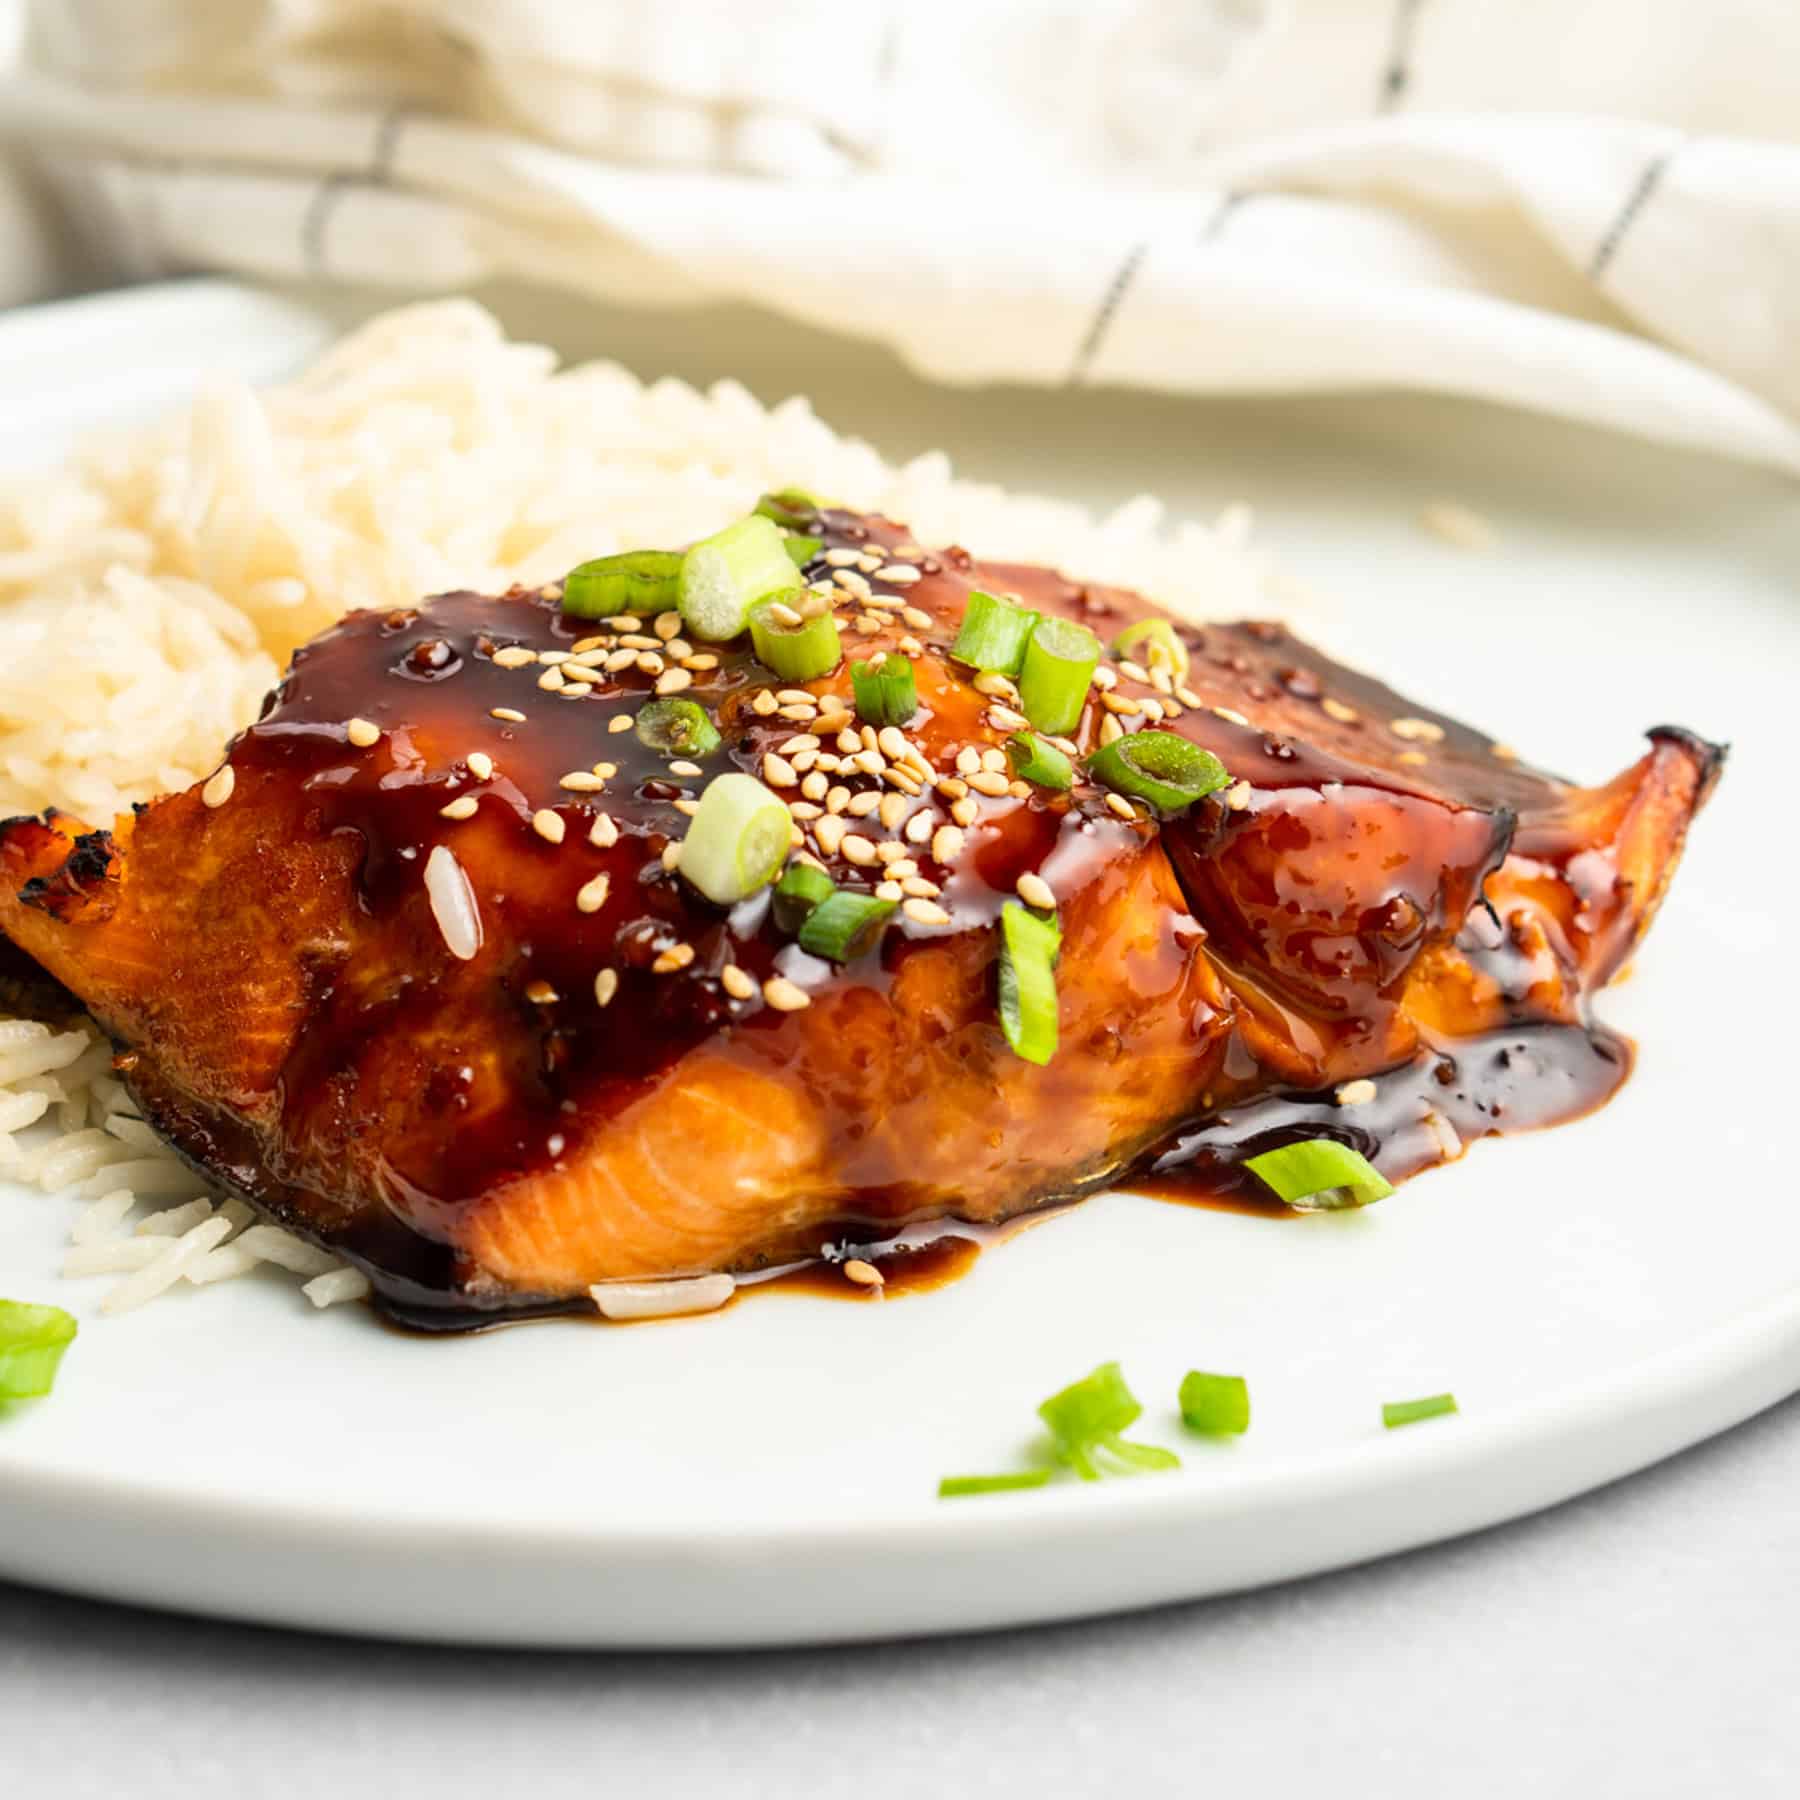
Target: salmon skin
{"x":623,"y":1080}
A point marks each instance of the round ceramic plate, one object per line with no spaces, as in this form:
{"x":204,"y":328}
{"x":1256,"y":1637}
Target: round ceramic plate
{"x":1597,"y":1296}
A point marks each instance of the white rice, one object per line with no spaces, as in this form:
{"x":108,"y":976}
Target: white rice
{"x":151,"y":591}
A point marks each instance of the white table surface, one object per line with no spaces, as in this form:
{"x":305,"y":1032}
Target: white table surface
{"x":1637,"y":1642}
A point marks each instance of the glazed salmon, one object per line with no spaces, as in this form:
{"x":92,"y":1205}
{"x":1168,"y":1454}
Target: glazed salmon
{"x":621,"y":1079}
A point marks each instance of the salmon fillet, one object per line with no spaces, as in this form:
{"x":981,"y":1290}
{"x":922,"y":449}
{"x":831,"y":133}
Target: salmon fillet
{"x":650,"y":1085}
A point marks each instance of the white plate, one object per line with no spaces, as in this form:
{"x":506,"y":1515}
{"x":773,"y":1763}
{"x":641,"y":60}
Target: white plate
{"x":1598,"y":1296}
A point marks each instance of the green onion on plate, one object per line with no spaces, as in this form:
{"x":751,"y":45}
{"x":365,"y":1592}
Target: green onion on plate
{"x":637,"y":581}
{"x":1410,"y":1412}
{"x":1320,"y":1175}
{"x":791,"y":508}
{"x":723,"y":576}
{"x":1056,"y":674}
{"x":1036,"y":760}
{"x":1158,"y":767}
{"x":737,"y":839}
{"x":1029,"y":943}
{"x":994,"y":633}
{"x":1153,"y":643}
{"x":954,"y":1487}
{"x":802,"y":549}
{"x":677,"y":728}
{"x":32,"y":1342}
{"x":886,"y":691}
{"x":1086,"y":1420}
{"x":795,"y":647}
{"x":844,"y":925}
{"x":1216,"y":1405}
{"x":802,"y":887}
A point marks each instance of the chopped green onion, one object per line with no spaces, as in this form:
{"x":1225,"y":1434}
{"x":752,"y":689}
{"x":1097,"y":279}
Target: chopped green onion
{"x":1086,"y":1419}
{"x":800,"y":652}
{"x":677,"y":728}
{"x":791,"y":507}
{"x":1216,"y":1404}
{"x":639,"y":581}
{"x":802,"y":887}
{"x":954,"y":1487}
{"x":1409,"y":1412}
{"x":32,"y":1342}
{"x":1159,"y":767}
{"x":1028,"y":947}
{"x":1153,"y":643}
{"x":723,"y":576}
{"x":994,"y":633}
{"x":1037,"y":761}
{"x":1058,"y":670}
{"x":801,"y":549}
{"x":886,"y":693}
{"x":737,"y":839}
{"x":842,"y":926}
{"x":1320,"y":1175}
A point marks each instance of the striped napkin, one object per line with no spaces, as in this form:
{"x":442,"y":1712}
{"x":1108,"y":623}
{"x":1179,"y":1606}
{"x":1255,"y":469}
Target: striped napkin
{"x":1587,"y":207}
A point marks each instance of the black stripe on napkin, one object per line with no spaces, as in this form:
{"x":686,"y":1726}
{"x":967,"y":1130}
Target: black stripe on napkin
{"x":1648,"y":181}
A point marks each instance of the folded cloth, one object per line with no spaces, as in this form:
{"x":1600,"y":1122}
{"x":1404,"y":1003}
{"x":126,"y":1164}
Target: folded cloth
{"x":1589,"y":207}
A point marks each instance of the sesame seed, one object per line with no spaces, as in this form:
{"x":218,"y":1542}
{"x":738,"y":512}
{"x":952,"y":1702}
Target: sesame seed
{"x":857,"y":849}
{"x":1120,"y":703}
{"x":814,"y":786}
{"x":952,"y":787}
{"x":918,"y":827}
{"x":777,"y":771}
{"x":1121,"y":806}
{"x":918,"y":886}
{"x":606,"y":984}
{"x":910,"y":646}
{"x":965,"y":812}
{"x":551,"y":681}
{"x":636,"y":640}
{"x":889,"y":890}
{"x":699,"y":660}
{"x":673,"y":681}
{"x":990,"y":782}
{"x":764,"y":703}
{"x":218,"y":790}
{"x":1131,"y":669}
{"x":861,"y":805}
{"x":1336,"y":709}
{"x":902,"y":865}
{"x":1356,"y":1093}
{"x":993,"y":759}
{"x":842,"y":559}
{"x":1003,"y":718}
{"x":784,"y":615}
{"x":620,"y":659}
{"x":623,"y":621}
{"x":1230,"y":715}
{"x":888,"y":852}
{"x":866,"y":624}
{"x":1034,"y":890}
{"x":507,"y":713}
{"x":901,"y":574}
{"x":1413,"y":759}
{"x":804,"y":810}
{"x":671,"y":855}
{"x":362,"y":733}
{"x":1237,"y":796}
{"x":480,"y":764}
{"x":667,"y":625}
{"x":891,"y":741}
{"x":864,"y":1274}
{"x":871,"y":762}
{"x":677,"y":956}
{"x":893,"y":811}
{"x":620,"y":722}
{"x":830,"y":722}
{"x":685,"y":768}
{"x":515,"y":656}
{"x":837,"y":798}
{"x":946,"y":844}
{"x":592,"y":895}
{"x":548,"y":825}
{"x":799,"y":714}
{"x":794,"y":697}
{"x":581,"y":646}
{"x":540,"y":993}
{"x":650,"y":662}
{"x":784,"y":996}
{"x":1110,"y":730}
{"x":462,"y":808}
{"x":579,"y":781}
{"x":925,"y":912}
{"x":578,"y":674}
{"x":553,"y":658}
{"x":968,"y":759}
{"x":1105,"y":677}
{"x":686,"y":807}
{"x":828,"y":833}
{"x":848,"y":741}
{"x":604,"y":833}
{"x":1188,"y":697}
{"x":1421,"y":731}
{"x":736,"y":983}
{"x":853,"y":583}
